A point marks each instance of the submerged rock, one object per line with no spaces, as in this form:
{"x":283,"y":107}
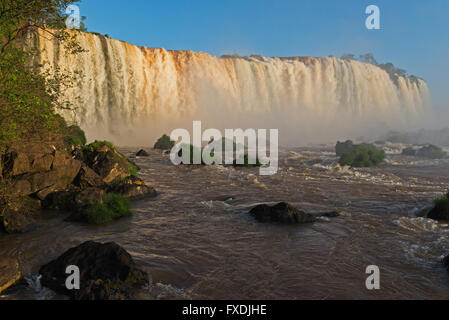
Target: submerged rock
{"x":9,"y":273}
{"x":282,"y":212}
{"x":107,"y":272}
{"x":142,"y":153}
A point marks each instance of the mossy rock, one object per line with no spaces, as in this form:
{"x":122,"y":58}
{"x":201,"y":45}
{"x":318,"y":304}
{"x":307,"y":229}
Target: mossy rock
{"x":363,"y":155}
{"x":107,"y":162}
{"x":441,"y":209}
{"x":164,"y":143}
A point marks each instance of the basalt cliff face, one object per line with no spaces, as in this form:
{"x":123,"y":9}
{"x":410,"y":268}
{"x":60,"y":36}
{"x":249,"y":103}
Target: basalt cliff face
{"x":132,"y":94}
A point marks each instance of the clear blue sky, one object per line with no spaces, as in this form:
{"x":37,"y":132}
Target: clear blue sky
{"x":414,"y":34}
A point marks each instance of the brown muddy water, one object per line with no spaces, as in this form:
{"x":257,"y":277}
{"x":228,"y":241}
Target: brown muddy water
{"x":197,"y":246}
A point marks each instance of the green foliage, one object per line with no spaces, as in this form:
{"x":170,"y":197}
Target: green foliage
{"x":442,"y":207}
{"x":164,"y":143}
{"x":431,"y":152}
{"x":28,"y":96}
{"x":76,"y":135}
{"x":409,"y":151}
{"x":133,"y":170}
{"x":363,"y":155}
{"x":344,"y":147}
{"x":388,"y":67}
{"x":114,"y":206}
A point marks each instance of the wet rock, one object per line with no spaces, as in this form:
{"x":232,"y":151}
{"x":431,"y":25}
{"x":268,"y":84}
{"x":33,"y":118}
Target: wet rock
{"x":142,"y":153}
{"x":88,"y":178}
{"x":107,"y":272}
{"x":107,"y":162}
{"x":282,"y":212}
{"x":9,"y":272}
{"x":88,"y":196}
{"x":132,"y":188}
{"x":62,"y":200}
{"x":18,"y":215}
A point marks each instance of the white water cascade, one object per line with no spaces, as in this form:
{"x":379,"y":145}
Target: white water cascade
{"x":132,"y":95}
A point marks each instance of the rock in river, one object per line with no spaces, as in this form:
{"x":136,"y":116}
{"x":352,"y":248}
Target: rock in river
{"x":282,"y":212}
{"x":107,"y":272}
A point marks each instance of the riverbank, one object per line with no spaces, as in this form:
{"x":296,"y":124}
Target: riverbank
{"x":197,"y":240}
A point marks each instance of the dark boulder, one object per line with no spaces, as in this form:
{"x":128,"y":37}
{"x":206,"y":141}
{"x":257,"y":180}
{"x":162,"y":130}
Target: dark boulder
{"x":62,"y":200}
{"x":107,"y":272}
{"x":142,"y":153}
{"x":282,"y":212}
{"x":9,"y":272}
{"x":446,"y":262}
{"x":132,"y":188}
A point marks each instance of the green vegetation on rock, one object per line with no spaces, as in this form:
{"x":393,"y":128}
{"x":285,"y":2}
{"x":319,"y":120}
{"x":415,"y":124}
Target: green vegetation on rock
{"x":76,"y":136}
{"x":362,"y":155}
{"x":431,"y":152}
{"x":114,"y":206}
{"x":441,"y":209}
{"x":164,"y":143}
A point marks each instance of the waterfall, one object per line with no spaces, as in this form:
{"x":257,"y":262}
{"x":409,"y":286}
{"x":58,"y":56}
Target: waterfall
{"x":132,"y":94}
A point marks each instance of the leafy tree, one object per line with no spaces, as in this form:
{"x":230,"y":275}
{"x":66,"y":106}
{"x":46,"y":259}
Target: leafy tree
{"x":30,"y":95}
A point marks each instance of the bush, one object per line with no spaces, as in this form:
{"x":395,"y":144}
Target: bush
{"x":76,"y":136}
{"x":114,"y":206}
{"x":409,"y":152}
{"x":441,"y":209}
{"x":344,"y":147}
{"x":363,"y":155}
{"x":164,"y":143}
{"x":431,"y":152}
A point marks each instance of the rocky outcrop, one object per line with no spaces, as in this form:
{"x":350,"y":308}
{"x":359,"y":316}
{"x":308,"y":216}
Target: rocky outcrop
{"x":133,"y":188}
{"x":109,"y":164}
{"x":62,"y":178}
{"x":282,"y":212}
{"x":142,"y":153}
{"x":107,"y":272}
{"x":9,"y":272}
{"x":18,"y":216}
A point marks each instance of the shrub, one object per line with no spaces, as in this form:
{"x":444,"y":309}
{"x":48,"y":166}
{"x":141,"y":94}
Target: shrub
{"x":344,"y":147}
{"x":76,"y":135}
{"x":431,"y":152}
{"x":114,"y":206}
{"x":441,"y":209}
{"x":164,"y":143}
{"x":363,"y":155}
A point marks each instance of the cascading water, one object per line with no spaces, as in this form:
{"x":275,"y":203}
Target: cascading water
{"x":132,"y":94}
